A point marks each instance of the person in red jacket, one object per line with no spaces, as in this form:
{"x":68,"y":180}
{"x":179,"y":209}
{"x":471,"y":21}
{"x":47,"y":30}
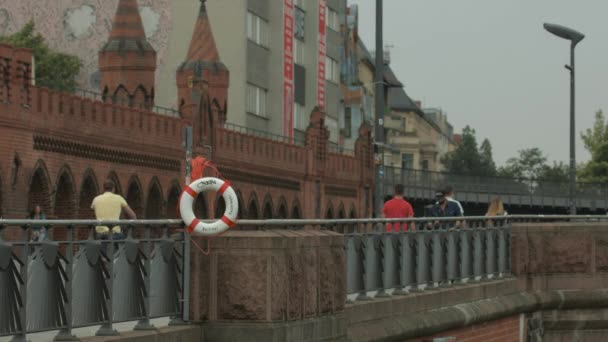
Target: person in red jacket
{"x":397,"y":208}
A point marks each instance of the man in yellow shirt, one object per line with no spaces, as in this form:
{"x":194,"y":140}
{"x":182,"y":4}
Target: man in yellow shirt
{"x":109,"y":206}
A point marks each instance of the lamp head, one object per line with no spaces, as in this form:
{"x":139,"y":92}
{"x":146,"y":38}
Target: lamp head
{"x":564,"y":32}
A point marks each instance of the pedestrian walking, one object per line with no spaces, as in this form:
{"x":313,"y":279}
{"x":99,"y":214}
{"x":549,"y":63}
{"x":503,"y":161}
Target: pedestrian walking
{"x":38,"y":232}
{"x":449,"y":195}
{"x":397,"y":207}
{"x":445,"y":208}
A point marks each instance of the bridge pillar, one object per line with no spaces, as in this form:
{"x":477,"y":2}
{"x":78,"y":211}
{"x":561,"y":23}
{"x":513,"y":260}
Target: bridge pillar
{"x":270,"y":286}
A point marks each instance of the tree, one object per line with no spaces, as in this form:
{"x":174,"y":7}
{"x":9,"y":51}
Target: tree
{"x":467,"y":159}
{"x":54,"y":70}
{"x":488,"y":167}
{"x":558,"y":172}
{"x":596,"y":142}
{"x":529,"y":164}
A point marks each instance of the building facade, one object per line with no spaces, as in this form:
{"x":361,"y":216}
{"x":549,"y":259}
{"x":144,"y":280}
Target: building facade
{"x":59,"y":148}
{"x":256,"y":39}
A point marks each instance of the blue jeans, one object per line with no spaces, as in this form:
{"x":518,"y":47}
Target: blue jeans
{"x":38,"y":233}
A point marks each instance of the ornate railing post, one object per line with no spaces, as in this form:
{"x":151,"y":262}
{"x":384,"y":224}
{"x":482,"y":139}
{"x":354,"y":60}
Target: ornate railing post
{"x":106,"y":328}
{"x":65,"y":334}
{"x":144,"y":323}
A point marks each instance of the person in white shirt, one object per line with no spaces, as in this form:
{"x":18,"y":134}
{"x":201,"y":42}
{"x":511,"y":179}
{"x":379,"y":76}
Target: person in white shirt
{"x":449,"y":194}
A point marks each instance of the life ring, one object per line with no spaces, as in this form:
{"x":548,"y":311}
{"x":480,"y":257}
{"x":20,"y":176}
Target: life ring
{"x":194,"y":225}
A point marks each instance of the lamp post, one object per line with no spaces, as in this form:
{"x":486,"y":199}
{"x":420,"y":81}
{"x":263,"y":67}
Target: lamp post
{"x":379,"y":102}
{"x":574,"y":37}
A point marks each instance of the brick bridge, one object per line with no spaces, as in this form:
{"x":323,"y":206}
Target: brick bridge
{"x":58,"y":148}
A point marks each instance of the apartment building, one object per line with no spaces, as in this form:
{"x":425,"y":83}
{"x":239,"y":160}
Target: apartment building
{"x":417,"y":140}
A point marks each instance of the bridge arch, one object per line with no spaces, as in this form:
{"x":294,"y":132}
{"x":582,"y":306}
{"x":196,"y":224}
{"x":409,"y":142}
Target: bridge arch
{"x":329,"y":212}
{"x":89,"y":188}
{"x":267,"y":212}
{"x":353,"y":212}
{"x":341,"y":211}
{"x":65,"y":194}
{"x":242,"y":210}
{"x":112,"y":176}
{"x":253,"y":212}
{"x":296,"y":212}
{"x":172,"y":210}
{"x":39,"y":192}
{"x":282,"y":210}
{"x":220,"y":207}
{"x":201,"y":210}
{"x":155,"y":201}
{"x":135,"y":196}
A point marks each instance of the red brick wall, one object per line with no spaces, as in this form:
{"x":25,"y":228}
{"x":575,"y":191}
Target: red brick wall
{"x":67,"y":146}
{"x":504,"y":330}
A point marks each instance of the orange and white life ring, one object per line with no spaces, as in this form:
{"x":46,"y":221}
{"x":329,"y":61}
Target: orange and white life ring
{"x":194,"y":225}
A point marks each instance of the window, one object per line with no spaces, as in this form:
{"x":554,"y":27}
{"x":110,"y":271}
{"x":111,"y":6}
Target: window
{"x":333,"y":19}
{"x":299,"y":16}
{"x":425,"y":165}
{"x":298,"y":47}
{"x":257,"y":29}
{"x":256,"y":100}
{"x":299,"y":3}
{"x":407,"y":161}
{"x":332,"y":70}
{"x":299,"y":119}
{"x":403,"y":125}
{"x":347,"y":122}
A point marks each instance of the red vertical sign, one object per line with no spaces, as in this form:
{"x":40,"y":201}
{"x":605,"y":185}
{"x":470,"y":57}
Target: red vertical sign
{"x":288,"y":94}
{"x":321,"y":62}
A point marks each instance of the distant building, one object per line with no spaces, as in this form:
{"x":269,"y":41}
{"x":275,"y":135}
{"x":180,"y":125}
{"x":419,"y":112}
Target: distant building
{"x":418,"y":140}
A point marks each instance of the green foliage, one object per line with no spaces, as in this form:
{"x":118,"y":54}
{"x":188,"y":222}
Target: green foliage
{"x":53,"y":69}
{"x":596,"y":142}
{"x":467,"y":158}
{"x":529,"y":164}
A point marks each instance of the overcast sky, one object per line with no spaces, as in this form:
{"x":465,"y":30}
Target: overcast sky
{"x":491,"y":65}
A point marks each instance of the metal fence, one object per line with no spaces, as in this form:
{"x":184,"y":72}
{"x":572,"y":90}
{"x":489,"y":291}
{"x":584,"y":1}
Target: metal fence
{"x":423,"y":184}
{"x":69,"y":282}
{"x":262,"y":134}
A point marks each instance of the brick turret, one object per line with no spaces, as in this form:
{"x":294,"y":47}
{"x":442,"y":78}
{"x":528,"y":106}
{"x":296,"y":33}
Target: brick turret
{"x":127,"y":62}
{"x":202,"y":82}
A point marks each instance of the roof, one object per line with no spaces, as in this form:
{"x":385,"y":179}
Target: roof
{"x":389,"y":76}
{"x":127,"y":32}
{"x":390,"y":79}
{"x":202,"y":46}
{"x":398,"y":100}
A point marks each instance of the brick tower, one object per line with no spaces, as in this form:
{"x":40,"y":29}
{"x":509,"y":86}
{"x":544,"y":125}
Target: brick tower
{"x":202,"y":82}
{"x":127,"y":62}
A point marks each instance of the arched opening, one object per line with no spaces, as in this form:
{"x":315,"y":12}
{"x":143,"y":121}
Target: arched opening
{"x":121,"y":96}
{"x":65,"y":203}
{"x":1,"y":203}
{"x":173,"y":202}
{"x":135,"y":197}
{"x":220,"y":207}
{"x":241,"y":213}
{"x":329,"y":214}
{"x":88,"y":191}
{"x":341,"y":212}
{"x":154,"y":203}
{"x":39,"y":193}
{"x":200,"y":207}
{"x":252,"y":208}
{"x":353,"y":213}
{"x":114,"y":178}
{"x":295,"y":213}
{"x":282,"y":211}
{"x":140,"y":98}
{"x":267,"y":211}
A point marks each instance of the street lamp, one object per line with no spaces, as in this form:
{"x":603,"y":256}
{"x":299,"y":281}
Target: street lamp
{"x":574,"y":37}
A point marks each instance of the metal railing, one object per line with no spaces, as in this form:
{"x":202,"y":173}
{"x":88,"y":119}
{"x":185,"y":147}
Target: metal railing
{"x":262,"y":134}
{"x":75,"y":280}
{"x":422,"y":183}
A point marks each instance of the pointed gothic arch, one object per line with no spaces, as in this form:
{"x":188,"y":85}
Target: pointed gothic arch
{"x":220,"y":207}
{"x":39,"y":192}
{"x":201,"y":210}
{"x":172,"y":210}
{"x":112,"y":176}
{"x":135,"y":197}
{"x":341,"y":211}
{"x":154,"y":201}
{"x":140,"y":98}
{"x":296,"y":212}
{"x":267,"y":212}
{"x":1,"y":195}
{"x":121,"y":96}
{"x":253,"y":207}
{"x":282,"y":209}
{"x":242,"y":209}
{"x":329,"y":211}
{"x":353,"y":212}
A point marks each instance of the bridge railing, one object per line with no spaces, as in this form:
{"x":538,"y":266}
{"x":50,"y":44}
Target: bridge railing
{"x":74,"y":280}
{"x":439,"y":252}
{"x":429,"y":181}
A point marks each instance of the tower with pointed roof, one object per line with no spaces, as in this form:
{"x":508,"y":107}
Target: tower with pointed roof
{"x":127,"y":62}
{"x":202,"y":82}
